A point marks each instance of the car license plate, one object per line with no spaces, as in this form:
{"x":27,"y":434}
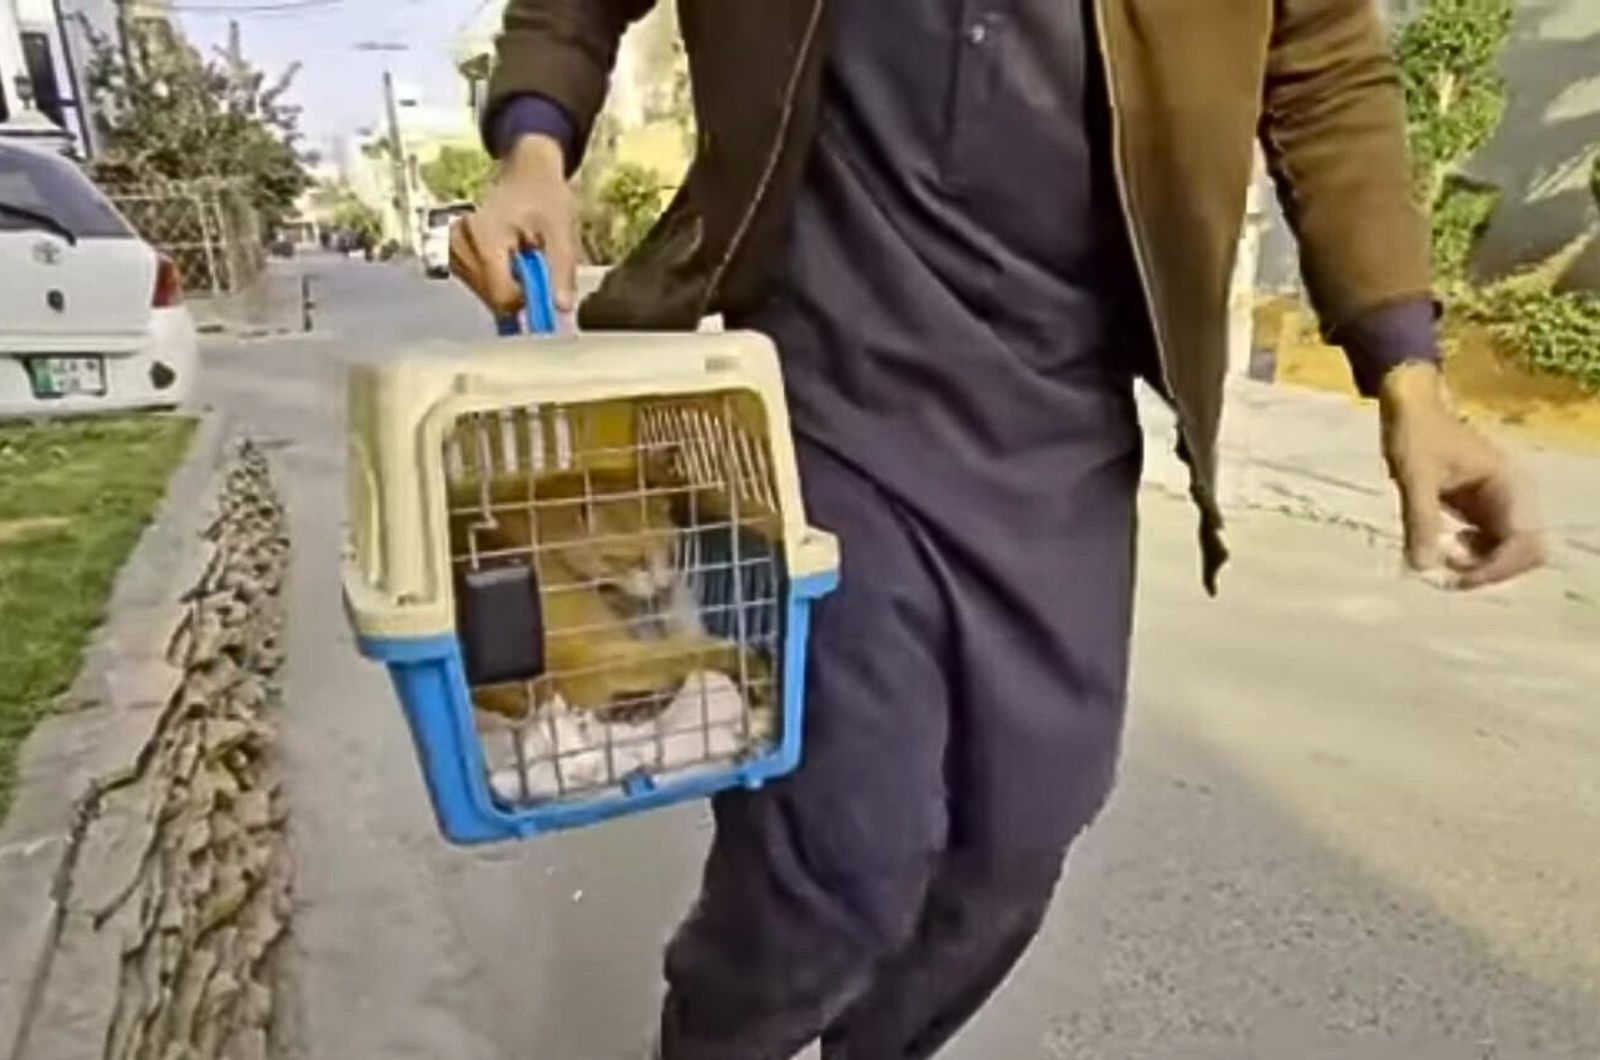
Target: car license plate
{"x":55,"y":377}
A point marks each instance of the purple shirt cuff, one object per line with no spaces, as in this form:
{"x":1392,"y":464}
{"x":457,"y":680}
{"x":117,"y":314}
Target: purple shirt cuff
{"x":529,"y":115}
{"x":1387,"y":337}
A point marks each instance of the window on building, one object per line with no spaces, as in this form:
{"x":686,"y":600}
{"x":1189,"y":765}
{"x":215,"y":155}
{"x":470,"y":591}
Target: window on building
{"x":47,"y":95}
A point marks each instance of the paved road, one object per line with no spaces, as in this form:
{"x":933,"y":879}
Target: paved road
{"x":1358,"y":817}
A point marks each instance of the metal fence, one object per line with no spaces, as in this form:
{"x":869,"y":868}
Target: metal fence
{"x":209,"y":229}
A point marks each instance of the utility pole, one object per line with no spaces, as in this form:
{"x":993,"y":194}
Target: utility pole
{"x":397,"y":148}
{"x":402,"y":173}
{"x":125,"y":37}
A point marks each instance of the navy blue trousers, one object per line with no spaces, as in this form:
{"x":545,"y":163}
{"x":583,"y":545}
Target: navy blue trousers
{"x":964,"y":712}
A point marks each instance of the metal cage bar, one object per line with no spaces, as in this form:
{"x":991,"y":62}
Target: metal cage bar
{"x":660,"y":554}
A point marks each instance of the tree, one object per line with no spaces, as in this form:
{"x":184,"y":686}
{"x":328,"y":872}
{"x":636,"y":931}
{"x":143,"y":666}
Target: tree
{"x":1455,"y":99}
{"x":621,"y":211}
{"x":1449,"y":59}
{"x":671,"y":99}
{"x":339,"y":207}
{"x":1594,"y":176}
{"x":169,"y":114}
{"x":382,"y":147}
{"x":458,"y":173}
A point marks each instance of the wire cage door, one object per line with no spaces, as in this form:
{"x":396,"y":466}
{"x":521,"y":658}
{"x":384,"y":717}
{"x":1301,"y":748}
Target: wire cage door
{"x":620,"y":591}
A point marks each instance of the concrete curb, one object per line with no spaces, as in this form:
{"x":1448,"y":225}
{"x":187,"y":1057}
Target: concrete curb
{"x":115,"y":704}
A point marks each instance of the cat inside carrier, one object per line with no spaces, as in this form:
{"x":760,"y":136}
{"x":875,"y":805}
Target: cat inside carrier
{"x":617,"y":591}
{"x":588,"y":571}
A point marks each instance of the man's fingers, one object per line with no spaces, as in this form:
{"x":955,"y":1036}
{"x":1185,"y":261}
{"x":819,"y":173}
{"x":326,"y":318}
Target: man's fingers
{"x":1517,"y":554}
{"x":561,"y":254}
{"x":1467,"y":549}
{"x":1423,"y":518}
{"x":1500,"y":544}
{"x":484,"y":254}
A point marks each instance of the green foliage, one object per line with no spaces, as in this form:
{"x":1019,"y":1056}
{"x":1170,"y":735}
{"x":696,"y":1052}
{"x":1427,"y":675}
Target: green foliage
{"x":1552,"y":332}
{"x":1455,"y":98}
{"x":169,"y":114}
{"x":1461,"y":214}
{"x":458,"y":173}
{"x":673,"y":99}
{"x":617,"y":214}
{"x":340,"y":208}
{"x":74,"y":497}
{"x":382,"y":147}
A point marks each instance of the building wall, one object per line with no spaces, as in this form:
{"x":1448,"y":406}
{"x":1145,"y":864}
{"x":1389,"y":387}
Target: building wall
{"x":1540,"y":156}
{"x":10,"y":59}
{"x":83,"y":22}
{"x":34,"y":41}
{"x":424,"y":131}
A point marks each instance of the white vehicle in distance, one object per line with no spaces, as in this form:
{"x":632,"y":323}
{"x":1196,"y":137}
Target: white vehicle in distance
{"x":91,"y":317}
{"x":436,"y":222}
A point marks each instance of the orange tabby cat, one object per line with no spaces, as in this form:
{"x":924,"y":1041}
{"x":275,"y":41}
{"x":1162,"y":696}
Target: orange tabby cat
{"x":622,"y":627}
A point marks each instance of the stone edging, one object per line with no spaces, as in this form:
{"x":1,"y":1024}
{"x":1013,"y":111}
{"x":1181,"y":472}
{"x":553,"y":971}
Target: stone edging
{"x":113,"y":699}
{"x":109,"y":807}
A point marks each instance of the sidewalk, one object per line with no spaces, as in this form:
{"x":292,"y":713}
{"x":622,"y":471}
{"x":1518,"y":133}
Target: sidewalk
{"x":1315,"y":456}
{"x":269,"y":306}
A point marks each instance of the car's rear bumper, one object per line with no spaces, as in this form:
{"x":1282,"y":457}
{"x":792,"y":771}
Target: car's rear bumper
{"x":436,"y":256}
{"x":169,"y":355}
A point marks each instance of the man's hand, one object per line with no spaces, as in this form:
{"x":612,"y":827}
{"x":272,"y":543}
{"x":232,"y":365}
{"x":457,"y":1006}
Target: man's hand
{"x":529,"y":205}
{"x":1442,"y":464}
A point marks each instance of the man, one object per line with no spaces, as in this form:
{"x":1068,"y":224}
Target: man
{"x":969,"y":225}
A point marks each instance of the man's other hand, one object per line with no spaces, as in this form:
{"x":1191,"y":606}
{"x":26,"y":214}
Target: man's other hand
{"x":529,"y":205}
{"x":1441,"y":464}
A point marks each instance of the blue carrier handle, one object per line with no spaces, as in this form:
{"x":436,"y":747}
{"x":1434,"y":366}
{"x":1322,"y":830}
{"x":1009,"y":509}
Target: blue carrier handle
{"x":538,"y":300}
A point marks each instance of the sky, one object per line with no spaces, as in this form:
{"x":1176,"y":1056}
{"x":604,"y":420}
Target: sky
{"x":340,"y":88}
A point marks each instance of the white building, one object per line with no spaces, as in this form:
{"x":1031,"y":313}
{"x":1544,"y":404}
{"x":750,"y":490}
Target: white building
{"x":40,"y":77}
{"x":425,"y":129}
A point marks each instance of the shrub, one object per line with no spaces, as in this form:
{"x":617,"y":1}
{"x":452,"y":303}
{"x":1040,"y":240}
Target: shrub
{"x":1552,"y":332}
{"x":618,"y":215}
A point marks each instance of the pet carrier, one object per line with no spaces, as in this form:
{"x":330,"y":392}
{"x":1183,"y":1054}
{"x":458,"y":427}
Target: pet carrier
{"x":585,"y":562}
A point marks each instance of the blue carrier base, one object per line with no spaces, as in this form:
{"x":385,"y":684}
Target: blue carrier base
{"x":430,"y":680}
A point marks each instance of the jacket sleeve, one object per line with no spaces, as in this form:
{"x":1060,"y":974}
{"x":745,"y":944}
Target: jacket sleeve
{"x":562,"y":50}
{"x":520,"y":116}
{"x":1333,"y":130}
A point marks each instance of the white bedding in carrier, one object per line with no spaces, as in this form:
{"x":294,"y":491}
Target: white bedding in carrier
{"x":725,"y":586}
{"x":563,"y":751}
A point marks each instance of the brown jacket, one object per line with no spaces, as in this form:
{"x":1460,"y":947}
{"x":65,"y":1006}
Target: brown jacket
{"x":1193,"y":83}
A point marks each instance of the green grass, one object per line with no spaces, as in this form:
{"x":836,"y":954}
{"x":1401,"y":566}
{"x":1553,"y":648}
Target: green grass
{"x":74,"y":498}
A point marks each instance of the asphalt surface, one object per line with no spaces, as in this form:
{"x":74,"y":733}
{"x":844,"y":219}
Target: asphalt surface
{"x":1358,"y":818}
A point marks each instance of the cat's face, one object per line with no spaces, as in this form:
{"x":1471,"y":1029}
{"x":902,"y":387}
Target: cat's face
{"x":626,"y":545}
{"x":609,"y":533}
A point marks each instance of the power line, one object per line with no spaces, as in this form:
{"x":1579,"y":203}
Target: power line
{"x":253,"y":8}
{"x":472,"y":19}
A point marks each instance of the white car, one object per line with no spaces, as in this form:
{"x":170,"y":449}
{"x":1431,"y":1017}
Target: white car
{"x":91,"y":317}
{"x":436,"y":224}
